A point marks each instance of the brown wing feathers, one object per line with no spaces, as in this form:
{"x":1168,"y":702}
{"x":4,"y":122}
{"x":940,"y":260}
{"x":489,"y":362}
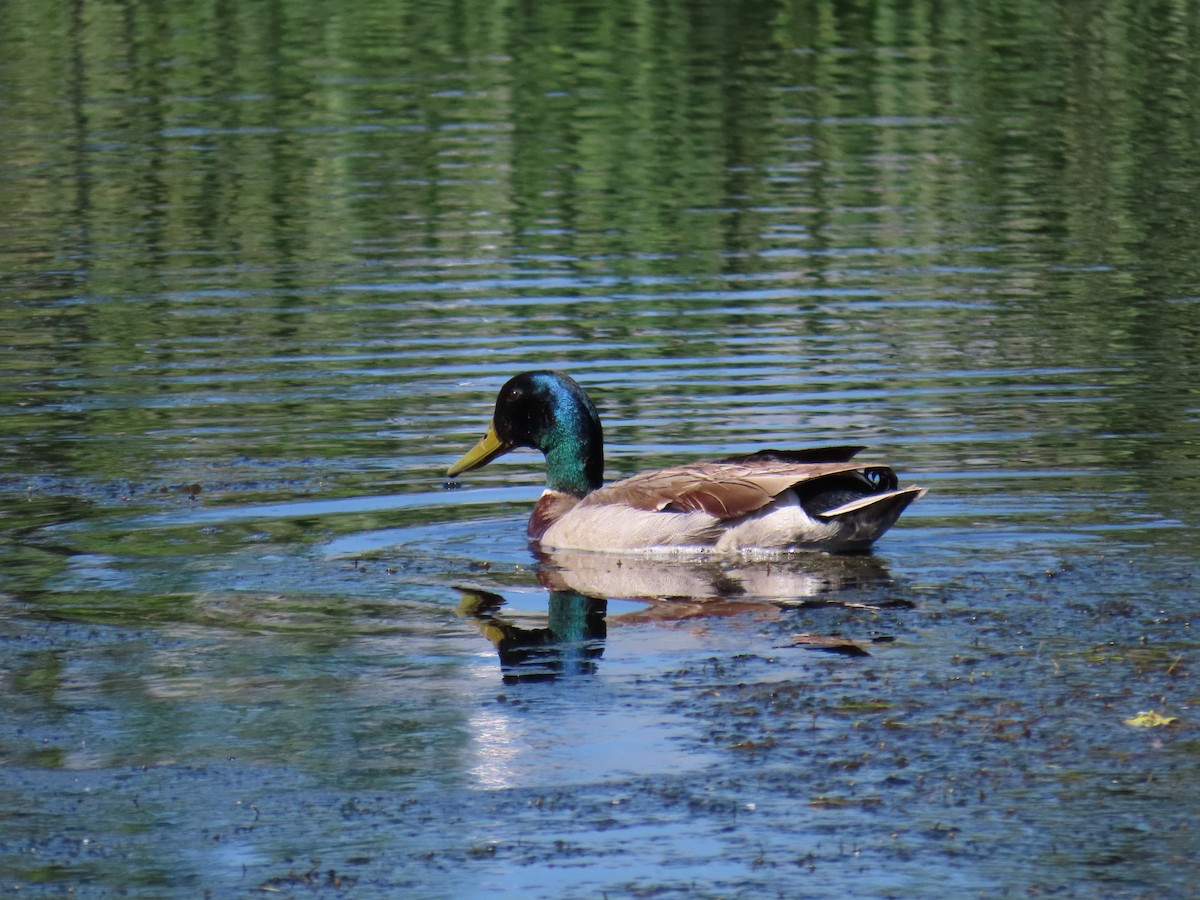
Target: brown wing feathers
{"x":734,"y":487}
{"x":723,"y":499}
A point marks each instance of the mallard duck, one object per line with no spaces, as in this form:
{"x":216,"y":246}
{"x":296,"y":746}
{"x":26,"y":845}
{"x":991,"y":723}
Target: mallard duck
{"x":769,"y":500}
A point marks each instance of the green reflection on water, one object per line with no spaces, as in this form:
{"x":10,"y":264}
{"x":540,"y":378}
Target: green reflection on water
{"x":214,"y":138}
{"x":215,"y":175}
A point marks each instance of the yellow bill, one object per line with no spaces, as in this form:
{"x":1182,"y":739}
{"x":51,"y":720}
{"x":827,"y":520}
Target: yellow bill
{"x":488,"y":448}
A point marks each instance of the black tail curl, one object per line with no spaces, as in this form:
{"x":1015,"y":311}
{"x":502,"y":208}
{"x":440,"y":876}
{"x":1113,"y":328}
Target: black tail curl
{"x":823,"y":494}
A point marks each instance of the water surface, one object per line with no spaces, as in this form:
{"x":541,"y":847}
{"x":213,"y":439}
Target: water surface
{"x":262,"y":272}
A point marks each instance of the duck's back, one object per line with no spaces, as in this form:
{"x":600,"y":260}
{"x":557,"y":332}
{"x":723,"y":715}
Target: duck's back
{"x":768,"y":500}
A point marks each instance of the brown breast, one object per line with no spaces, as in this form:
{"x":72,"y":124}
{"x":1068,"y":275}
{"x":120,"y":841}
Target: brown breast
{"x":551,"y":507}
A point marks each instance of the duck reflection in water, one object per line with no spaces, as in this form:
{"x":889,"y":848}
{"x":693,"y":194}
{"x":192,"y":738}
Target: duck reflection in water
{"x":570,"y":639}
{"x":570,"y":642}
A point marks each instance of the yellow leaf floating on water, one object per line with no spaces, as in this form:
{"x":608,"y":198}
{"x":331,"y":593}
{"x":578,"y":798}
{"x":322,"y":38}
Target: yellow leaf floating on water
{"x":1150,"y":719}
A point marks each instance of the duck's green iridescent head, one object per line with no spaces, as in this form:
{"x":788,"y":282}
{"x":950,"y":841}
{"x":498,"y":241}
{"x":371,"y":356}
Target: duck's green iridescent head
{"x":548,"y":411}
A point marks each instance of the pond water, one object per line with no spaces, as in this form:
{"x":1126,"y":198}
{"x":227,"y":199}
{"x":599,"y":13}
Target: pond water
{"x":262,"y":271}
